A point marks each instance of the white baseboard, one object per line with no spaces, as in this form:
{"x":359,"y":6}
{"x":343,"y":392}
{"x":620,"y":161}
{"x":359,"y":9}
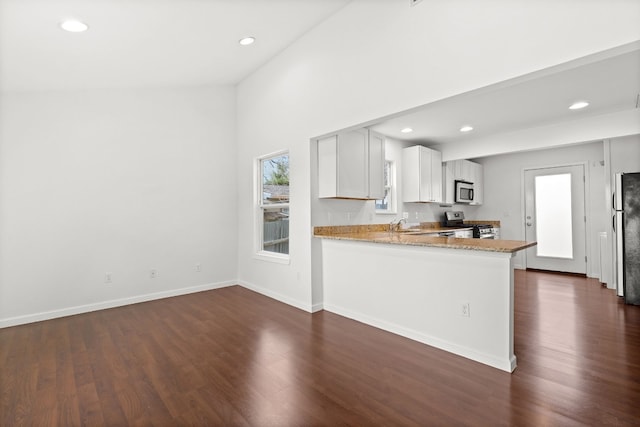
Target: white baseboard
{"x":70,"y":311}
{"x":317,"y":307}
{"x":277,"y":296}
{"x":507,"y":365}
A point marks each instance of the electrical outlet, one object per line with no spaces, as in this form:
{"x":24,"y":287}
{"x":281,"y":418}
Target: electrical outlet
{"x":405,"y":215}
{"x":198,"y":268}
{"x":465,"y":309}
{"x":108,"y":277}
{"x":153,"y":274}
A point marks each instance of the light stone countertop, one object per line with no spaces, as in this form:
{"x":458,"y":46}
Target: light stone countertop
{"x":377,"y":233}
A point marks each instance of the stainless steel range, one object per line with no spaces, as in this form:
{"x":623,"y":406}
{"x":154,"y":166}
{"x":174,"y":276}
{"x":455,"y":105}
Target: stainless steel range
{"x":483,"y":231}
{"x":455,"y":219}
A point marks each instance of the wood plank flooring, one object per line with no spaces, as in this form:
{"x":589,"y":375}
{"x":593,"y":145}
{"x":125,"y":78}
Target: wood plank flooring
{"x":233,"y":357}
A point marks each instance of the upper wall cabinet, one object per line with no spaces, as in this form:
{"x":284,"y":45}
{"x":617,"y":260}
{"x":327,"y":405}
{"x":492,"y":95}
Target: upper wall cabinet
{"x":463,"y":170}
{"x":421,"y":175}
{"x":351,"y":165}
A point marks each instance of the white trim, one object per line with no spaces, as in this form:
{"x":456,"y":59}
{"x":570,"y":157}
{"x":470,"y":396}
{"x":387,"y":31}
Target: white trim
{"x":587,"y":208}
{"x":591,"y":260}
{"x":87,"y":308}
{"x":507,"y":365}
{"x":274,"y":154}
{"x":609,"y":189}
{"x":260,"y":207}
{"x":393,"y":191}
{"x":277,"y":296}
{"x":272,"y":257}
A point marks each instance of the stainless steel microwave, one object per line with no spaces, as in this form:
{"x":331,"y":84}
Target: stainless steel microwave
{"x":464,"y":192}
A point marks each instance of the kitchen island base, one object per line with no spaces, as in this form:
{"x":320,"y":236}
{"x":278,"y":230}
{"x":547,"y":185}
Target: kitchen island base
{"x":460,"y":301}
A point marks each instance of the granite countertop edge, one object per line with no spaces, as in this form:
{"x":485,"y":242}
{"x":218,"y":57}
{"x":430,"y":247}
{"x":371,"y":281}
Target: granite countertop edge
{"x":374,"y":234}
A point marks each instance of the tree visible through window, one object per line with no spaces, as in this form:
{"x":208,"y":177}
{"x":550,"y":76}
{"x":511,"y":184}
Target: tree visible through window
{"x":274,"y":204}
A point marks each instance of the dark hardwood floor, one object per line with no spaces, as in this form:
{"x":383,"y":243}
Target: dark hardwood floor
{"x":233,"y":357}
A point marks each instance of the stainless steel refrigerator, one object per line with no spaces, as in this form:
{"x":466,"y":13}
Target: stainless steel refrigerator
{"x":626,"y":226}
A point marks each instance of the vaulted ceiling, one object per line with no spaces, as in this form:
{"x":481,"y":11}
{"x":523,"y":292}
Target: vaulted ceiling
{"x":142,"y":43}
{"x":158,"y":43}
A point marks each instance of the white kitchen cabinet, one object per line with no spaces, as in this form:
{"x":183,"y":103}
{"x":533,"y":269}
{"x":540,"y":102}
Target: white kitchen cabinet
{"x":351,"y":165}
{"x":421,"y":175}
{"x":463,"y":170}
{"x":376,"y":165}
{"x":477,"y":177}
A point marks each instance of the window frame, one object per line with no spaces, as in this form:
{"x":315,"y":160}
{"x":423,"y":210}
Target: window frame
{"x":391,"y":186}
{"x":259,"y":209}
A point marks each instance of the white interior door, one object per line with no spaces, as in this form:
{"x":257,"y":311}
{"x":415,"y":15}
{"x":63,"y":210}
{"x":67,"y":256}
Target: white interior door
{"x":555,"y":218}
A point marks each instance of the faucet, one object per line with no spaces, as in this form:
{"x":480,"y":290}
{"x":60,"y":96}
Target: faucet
{"x":395,"y":225}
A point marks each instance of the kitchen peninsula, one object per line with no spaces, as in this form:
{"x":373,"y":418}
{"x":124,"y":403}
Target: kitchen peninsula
{"x":455,"y":294}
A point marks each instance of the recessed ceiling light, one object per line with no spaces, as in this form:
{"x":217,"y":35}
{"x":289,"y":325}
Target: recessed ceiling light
{"x":578,"y":105}
{"x":466,"y":129}
{"x":74,"y":26}
{"x":247,"y":41}
{"x":406,"y":130}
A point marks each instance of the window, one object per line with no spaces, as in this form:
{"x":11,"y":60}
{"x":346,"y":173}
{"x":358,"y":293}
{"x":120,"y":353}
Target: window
{"x":553,"y":213}
{"x":273,"y":207}
{"x":388,"y":203}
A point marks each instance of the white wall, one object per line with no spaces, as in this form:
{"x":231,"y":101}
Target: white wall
{"x":119,"y":181}
{"x":503,"y":192}
{"x":375,"y":58}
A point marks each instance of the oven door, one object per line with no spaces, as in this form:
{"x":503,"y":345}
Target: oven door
{"x":487,"y":236}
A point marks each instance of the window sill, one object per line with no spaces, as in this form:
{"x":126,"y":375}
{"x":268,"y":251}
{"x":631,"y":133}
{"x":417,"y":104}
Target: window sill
{"x":386,"y":213}
{"x":272,"y":257}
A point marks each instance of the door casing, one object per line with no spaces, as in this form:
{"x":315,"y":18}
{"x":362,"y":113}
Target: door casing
{"x":587,"y":209}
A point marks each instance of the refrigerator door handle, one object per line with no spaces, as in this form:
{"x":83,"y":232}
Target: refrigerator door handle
{"x":613,"y":201}
{"x":613,"y":223}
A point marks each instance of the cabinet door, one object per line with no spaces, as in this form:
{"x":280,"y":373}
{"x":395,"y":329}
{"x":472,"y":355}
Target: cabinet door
{"x":376,"y":165}
{"x":421,"y":175}
{"x":425,"y":175}
{"x":464,"y":170}
{"x":436,"y":176}
{"x":353,"y":163}
{"x":478,"y":183}
{"x":449,"y":172}
{"x":327,"y":166}
{"x":410,"y":168}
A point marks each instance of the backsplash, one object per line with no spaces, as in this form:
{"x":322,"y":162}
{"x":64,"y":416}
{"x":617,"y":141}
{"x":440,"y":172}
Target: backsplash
{"x":352,"y":212}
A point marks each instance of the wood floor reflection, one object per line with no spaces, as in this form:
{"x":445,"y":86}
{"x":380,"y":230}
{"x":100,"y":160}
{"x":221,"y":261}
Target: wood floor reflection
{"x":234,"y":357}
